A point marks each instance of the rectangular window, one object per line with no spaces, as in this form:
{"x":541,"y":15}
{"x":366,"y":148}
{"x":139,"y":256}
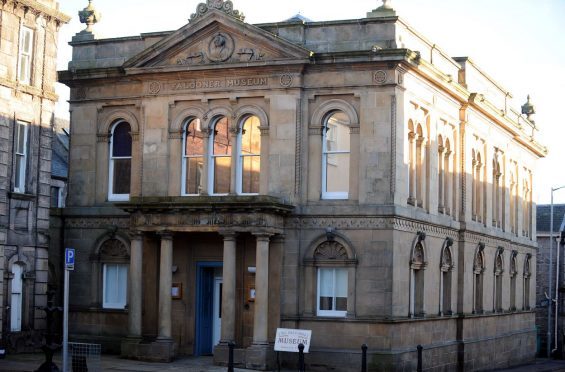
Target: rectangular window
{"x":332,"y":292}
{"x":115,"y":283}
{"x":20,"y":154}
{"x":25,"y":55}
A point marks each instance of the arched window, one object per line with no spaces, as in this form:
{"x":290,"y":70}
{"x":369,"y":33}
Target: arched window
{"x":329,"y":272}
{"x":417,"y":265}
{"x":446,"y":271}
{"x":420,"y":167}
{"x":478,"y":272}
{"x":335,"y":156}
{"x":193,"y":157}
{"x":16,"y":298}
{"x":513,"y":275}
{"x":412,"y":163}
{"x":477,"y":187}
{"x":220,"y":157}
{"x":513,"y":202}
{"x":114,"y":257}
{"x":498,"y":271}
{"x":527,"y":275}
{"x":448,"y":171}
{"x":249,"y":159}
{"x":527,"y":207}
{"x":120,"y":162}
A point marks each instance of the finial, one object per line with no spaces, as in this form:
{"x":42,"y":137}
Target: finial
{"x":225,"y":6}
{"x":528,"y":109}
{"x":384,"y":10}
{"x":90,"y":16}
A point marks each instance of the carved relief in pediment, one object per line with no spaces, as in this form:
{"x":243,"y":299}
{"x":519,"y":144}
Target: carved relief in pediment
{"x":221,"y":47}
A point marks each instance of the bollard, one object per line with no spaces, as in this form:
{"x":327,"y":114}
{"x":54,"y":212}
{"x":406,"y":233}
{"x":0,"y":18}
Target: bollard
{"x":301,"y":358}
{"x":420,"y":348}
{"x":230,"y":357}
{"x":364,"y":358}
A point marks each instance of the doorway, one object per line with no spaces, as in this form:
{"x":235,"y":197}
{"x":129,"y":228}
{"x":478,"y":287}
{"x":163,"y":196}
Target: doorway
{"x":208,"y":307}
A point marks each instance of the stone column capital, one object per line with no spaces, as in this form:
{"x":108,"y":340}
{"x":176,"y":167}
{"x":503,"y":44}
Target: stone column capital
{"x":165,"y":235}
{"x":262,"y":236}
{"x":135,"y":234}
{"x":228,"y":235}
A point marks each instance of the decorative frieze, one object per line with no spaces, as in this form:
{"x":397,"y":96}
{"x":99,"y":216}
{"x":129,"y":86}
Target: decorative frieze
{"x":97,"y":222}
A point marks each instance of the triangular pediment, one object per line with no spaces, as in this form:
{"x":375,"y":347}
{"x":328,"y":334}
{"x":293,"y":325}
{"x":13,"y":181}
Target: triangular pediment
{"x":217,"y":39}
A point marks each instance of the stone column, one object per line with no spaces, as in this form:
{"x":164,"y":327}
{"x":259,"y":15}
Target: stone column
{"x":228,"y":289}
{"x":260,"y":325}
{"x":204,"y":183}
{"x":233,"y":133}
{"x":135,"y":286}
{"x":165,"y":283}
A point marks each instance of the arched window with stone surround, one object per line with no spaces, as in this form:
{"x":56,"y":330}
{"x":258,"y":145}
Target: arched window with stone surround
{"x":513,"y":200}
{"x":119,"y":178}
{"x":478,"y":276}
{"x":527,"y":206}
{"x":513,"y":274}
{"x":527,"y":275}
{"x":249,"y":156}
{"x":336,"y":151}
{"x":498,"y":273}
{"x":441,"y":174}
{"x":498,"y":196}
{"x":220,"y":154}
{"x":192,"y":157}
{"x":418,"y":263}
{"x":446,"y":276}
{"x":330,"y":277}
{"x":478,"y":187}
{"x":113,"y":263}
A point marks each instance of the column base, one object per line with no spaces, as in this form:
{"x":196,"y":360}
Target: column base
{"x":260,"y":357}
{"x":221,"y":355}
{"x":157,"y":351}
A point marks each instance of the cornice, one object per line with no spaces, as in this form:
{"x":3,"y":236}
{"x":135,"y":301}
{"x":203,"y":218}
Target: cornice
{"x":28,"y":89}
{"x":45,"y":10}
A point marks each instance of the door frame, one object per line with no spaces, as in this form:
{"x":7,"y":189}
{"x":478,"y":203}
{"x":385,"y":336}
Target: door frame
{"x":200,"y":266}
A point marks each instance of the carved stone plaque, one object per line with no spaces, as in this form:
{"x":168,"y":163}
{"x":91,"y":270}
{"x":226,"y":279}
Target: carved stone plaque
{"x":379,"y":77}
{"x":220,"y":47}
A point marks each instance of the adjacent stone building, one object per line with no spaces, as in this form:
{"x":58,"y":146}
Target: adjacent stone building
{"x":28,"y":52}
{"x":543,"y":223}
{"x":347,"y":177}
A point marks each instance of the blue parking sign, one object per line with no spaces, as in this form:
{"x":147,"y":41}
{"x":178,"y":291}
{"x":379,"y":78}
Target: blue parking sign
{"x":69,"y":258}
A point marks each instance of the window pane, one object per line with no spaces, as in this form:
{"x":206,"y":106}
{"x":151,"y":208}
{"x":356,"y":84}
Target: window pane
{"x":27,"y":41}
{"x":194,"y":140}
{"x":222,"y":143}
{"x":337,"y":173}
{"x":337,"y":132}
{"x":341,"y":289}
{"x":122,"y":176}
{"x":326,"y":286}
{"x":251,"y":137}
{"x":222,"y":174}
{"x":194,"y":168}
{"x":250,"y":174}
{"x":54,"y":197}
{"x":24,"y":66}
{"x":20,"y":161}
{"x":110,"y":284}
{"x":21,"y":132}
{"x":122,"y":284}
{"x":121,"y":140}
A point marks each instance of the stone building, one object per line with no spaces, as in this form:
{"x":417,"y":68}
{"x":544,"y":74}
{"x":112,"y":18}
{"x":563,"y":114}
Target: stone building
{"x":543,"y":223}
{"x":28,"y":52}
{"x":347,"y":177}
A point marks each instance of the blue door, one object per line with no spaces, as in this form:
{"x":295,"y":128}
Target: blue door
{"x":205,"y":307}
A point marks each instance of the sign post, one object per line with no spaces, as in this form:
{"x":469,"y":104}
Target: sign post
{"x":69,"y":265}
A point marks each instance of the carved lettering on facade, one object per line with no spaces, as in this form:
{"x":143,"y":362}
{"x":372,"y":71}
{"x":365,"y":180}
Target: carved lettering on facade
{"x":188,"y":85}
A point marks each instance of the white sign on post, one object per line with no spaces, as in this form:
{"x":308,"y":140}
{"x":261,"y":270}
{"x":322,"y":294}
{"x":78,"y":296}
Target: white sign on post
{"x":289,"y":339}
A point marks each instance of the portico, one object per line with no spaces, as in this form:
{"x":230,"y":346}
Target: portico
{"x":171,"y":229}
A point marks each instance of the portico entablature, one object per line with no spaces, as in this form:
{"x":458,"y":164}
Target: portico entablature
{"x":257,"y":214}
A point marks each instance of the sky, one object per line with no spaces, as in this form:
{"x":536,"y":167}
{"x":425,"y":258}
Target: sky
{"x":520,"y":43}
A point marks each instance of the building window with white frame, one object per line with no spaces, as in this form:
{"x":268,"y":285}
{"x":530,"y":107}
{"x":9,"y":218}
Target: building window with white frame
{"x":115,"y":283}
{"x":120,"y":162}
{"x":332,"y":291}
{"x":249,"y":159}
{"x":335,"y":156}
{"x":25,"y":55}
{"x":193,"y":157}
{"x":16,"y":298}
{"x":20,"y":152}
{"x":220,"y":151}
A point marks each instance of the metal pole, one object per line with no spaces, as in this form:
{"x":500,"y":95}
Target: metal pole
{"x":550,"y":269}
{"x":301,"y":358}
{"x":364,"y":358}
{"x":230,"y":358}
{"x":66,"y":323}
{"x":556,"y":313}
{"x":420,"y":348}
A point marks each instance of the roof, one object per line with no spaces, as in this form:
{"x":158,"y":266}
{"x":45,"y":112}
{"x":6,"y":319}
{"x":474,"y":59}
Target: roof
{"x":298,"y":18}
{"x":544,"y":215}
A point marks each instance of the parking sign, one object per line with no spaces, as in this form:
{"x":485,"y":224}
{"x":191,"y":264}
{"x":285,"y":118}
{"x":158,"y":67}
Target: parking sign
{"x":69,"y":258}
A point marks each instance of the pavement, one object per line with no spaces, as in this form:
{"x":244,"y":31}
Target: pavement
{"x":30,"y":362}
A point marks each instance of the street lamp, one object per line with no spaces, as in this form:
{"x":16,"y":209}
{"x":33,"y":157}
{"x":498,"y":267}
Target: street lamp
{"x":549,"y":350}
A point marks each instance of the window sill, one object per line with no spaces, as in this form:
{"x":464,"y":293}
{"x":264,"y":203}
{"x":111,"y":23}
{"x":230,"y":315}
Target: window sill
{"x":21,"y":196}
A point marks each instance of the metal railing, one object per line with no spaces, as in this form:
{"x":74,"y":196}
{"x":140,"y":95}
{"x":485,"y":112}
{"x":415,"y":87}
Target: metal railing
{"x":84,"y":357}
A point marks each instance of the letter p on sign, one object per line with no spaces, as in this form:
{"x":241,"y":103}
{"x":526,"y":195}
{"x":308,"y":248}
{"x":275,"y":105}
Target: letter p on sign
{"x":69,"y":258}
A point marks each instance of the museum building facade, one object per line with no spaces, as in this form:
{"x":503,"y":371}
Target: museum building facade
{"x":346,"y":177}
